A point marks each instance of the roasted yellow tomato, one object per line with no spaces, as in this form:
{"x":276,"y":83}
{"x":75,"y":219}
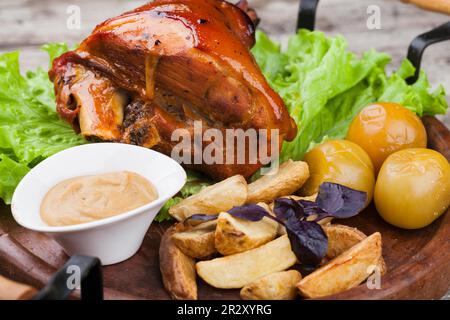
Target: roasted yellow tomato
{"x":413,"y":188}
{"x":342,"y":162}
{"x":384,"y":128}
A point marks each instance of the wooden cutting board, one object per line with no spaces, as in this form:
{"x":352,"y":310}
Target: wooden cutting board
{"x":418,"y":261}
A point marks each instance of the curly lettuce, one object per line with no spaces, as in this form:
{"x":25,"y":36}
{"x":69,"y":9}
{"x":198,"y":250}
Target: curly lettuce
{"x":324,"y":85}
{"x":30,"y":129}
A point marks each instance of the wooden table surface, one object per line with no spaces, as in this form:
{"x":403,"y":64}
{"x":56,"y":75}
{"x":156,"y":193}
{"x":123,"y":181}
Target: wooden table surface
{"x":28,"y":24}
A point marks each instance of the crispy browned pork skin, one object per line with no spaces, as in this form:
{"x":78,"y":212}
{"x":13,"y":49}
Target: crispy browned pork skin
{"x":160,"y":67}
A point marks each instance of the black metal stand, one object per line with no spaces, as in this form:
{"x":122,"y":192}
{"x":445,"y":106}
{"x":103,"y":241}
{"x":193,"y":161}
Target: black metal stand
{"x":421,"y":42}
{"x":86,"y":270}
{"x":307,"y":14}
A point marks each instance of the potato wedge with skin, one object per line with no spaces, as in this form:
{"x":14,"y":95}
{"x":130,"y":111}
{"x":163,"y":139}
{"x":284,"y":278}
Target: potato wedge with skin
{"x":235,"y":235}
{"x":177,"y":269}
{"x":240,"y":269}
{"x":274,"y":286}
{"x":213,"y":199}
{"x":382,"y":267}
{"x":289,"y":177}
{"x":198,"y":241}
{"x":341,"y":238}
{"x":345,"y":271}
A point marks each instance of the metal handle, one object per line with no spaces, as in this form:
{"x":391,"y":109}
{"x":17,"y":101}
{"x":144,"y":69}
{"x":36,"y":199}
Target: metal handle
{"x":307,"y":14}
{"x":86,"y":269}
{"x":421,"y":42}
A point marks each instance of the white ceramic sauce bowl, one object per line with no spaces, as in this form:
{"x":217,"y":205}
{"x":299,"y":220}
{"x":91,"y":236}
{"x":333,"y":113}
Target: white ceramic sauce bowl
{"x":113,"y":239}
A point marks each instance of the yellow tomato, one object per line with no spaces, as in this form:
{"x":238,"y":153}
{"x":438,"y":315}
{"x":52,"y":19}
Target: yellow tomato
{"x":342,"y":162}
{"x":384,"y":128}
{"x":413,"y":188}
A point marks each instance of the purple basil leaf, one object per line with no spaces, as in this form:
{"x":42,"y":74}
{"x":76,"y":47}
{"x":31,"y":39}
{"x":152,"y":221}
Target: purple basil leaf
{"x":340,"y":201}
{"x":310,"y":207}
{"x":322,"y":216}
{"x":308,"y":241}
{"x":251,"y":212}
{"x":286,"y":208}
{"x":202,"y":217}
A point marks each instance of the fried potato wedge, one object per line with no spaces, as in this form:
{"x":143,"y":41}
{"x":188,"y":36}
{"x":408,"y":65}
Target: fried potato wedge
{"x":198,"y":241}
{"x":240,"y":269}
{"x":345,"y":271}
{"x":341,"y":238}
{"x":274,"y":286}
{"x":177,"y":269}
{"x":382,"y":267}
{"x":288,"y":178}
{"x":235,"y":235}
{"x":213,"y":199}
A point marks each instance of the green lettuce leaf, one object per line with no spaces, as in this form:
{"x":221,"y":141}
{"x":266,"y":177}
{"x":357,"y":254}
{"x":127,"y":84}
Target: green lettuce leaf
{"x":11,"y":172}
{"x":195,"y":182}
{"x":30,"y":129}
{"x":55,"y":49}
{"x":324,"y":86}
{"x":163,"y":214}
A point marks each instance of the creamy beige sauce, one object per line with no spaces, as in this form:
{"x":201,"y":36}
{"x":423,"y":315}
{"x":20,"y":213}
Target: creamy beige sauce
{"x":89,"y":198}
